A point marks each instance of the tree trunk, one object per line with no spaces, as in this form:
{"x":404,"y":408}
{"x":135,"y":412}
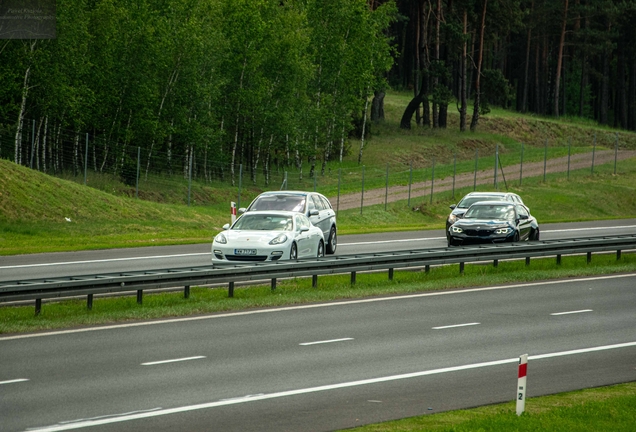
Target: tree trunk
{"x":524,"y":102}
{"x":364,"y":125}
{"x":25,"y":93}
{"x":475,"y":119}
{"x":557,"y":81}
{"x":377,"y":107}
{"x":462,"y":79}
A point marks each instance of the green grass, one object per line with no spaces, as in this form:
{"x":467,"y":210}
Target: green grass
{"x":610,"y":408}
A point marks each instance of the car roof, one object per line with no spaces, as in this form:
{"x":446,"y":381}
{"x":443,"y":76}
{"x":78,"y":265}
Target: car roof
{"x":286,"y":192}
{"x":272,"y":212}
{"x":506,"y":203}
{"x":473,"y":194}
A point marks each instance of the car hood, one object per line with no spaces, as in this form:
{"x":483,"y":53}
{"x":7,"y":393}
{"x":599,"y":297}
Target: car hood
{"x":253,"y":236}
{"x":484,"y":223}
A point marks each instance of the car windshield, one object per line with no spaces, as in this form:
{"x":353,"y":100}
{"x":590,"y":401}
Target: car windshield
{"x":294,"y":203}
{"x":490,"y":212}
{"x":263,"y":222}
{"x":468,"y":201}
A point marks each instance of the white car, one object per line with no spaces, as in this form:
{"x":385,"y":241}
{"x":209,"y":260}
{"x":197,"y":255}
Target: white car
{"x":267,"y":236}
{"x":312,"y":204}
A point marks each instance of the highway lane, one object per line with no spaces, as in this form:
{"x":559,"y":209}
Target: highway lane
{"x":325,"y":366}
{"x":148,"y":258}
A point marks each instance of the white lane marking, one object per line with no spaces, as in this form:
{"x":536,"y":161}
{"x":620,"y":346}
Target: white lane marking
{"x":456,"y":325}
{"x":589,"y":229}
{"x":325,"y":341}
{"x":571,"y":312}
{"x":259,"y":397}
{"x":103,"y":260}
{"x":314,"y":306}
{"x":172,"y":360}
{"x":14,"y":381}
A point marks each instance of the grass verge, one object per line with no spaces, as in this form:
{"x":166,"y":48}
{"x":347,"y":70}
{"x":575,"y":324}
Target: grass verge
{"x":611,"y":408}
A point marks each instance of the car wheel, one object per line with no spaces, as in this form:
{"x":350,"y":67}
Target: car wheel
{"x":535,"y":235}
{"x":450,"y":242}
{"x":293,"y":253}
{"x":333,"y":241}
{"x":321,"y":249}
{"x":516,"y":237}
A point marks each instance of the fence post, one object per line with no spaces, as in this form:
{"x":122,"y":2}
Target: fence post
{"x":86,"y":160}
{"x":454,"y":171}
{"x":615,"y":153}
{"x":432,"y":180}
{"x":410,"y":182}
{"x":496,"y":163}
{"x":475,"y":178}
{"x":190,"y":175}
{"x":32,"y":145}
{"x":137,"y":179}
{"x":240,"y":185}
{"x":338,"y":202}
{"x":386,"y":190}
{"x":545,"y":159}
{"x":569,"y":153}
{"x":521,"y":167}
{"x":521,"y":384}
{"x":593,"y":153}
{"x":362,"y":195}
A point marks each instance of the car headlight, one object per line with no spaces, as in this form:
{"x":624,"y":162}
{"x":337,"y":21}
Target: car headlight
{"x":456,"y":229}
{"x":452,"y":219}
{"x":220,"y":238}
{"x":503,"y":230}
{"x":282,"y":238}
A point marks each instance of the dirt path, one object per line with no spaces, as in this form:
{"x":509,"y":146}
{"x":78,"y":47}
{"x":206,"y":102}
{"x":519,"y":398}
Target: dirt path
{"x":511,"y":173}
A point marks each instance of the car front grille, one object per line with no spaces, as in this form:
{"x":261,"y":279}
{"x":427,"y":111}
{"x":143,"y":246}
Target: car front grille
{"x":251,"y":258}
{"x":479,"y":233}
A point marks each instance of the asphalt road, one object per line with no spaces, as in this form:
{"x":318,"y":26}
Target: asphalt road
{"x":325,"y":366}
{"x":51,"y":265}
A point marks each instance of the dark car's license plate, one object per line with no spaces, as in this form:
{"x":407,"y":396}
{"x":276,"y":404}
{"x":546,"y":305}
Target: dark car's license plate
{"x":244,"y":251}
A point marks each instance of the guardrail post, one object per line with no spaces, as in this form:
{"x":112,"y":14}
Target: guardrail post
{"x":140,"y":296}
{"x":495,"y":263}
{"x":186,"y":291}
{"x":390,"y":274}
{"x":461,"y":268}
{"x":273,"y":284}
{"x":589,"y":257}
{"x":618,"y":255}
{"x":353,"y":278}
{"x":559,"y":259}
{"x":38,"y":306}
{"x":89,"y":302}
{"x":527,"y":261}
{"x":230,"y":292}
{"x":427,"y":268}
{"x":314,"y":281}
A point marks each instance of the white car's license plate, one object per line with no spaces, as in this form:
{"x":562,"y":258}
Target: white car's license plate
{"x":244,"y":251}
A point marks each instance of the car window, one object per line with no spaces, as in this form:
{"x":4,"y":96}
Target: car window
{"x":325,"y":203}
{"x":468,"y":201}
{"x":279,"y":202}
{"x":490,"y":212}
{"x":317,"y":202}
{"x":522,"y":210}
{"x":302,"y":221}
{"x":262,"y":222}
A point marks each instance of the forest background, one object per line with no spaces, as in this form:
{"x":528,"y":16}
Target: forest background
{"x":201,"y":87}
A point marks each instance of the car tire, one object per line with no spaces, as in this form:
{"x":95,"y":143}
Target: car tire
{"x":450,"y":242}
{"x":293,"y":253}
{"x":321,"y":249}
{"x":516,"y":237}
{"x":535,"y":235}
{"x":332,"y":243}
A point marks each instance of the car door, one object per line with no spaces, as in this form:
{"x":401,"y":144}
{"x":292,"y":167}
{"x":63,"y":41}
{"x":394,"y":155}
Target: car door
{"x":524,"y":223}
{"x":303,"y":237}
{"x":320,"y":217}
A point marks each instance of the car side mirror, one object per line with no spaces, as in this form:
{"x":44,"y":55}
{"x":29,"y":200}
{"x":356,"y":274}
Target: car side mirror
{"x":242,"y":210}
{"x":314,"y":212}
{"x":226,"y":226}
{"x":304,"y":229}
{"x":453,"y":206}
{"x":523,"y":217}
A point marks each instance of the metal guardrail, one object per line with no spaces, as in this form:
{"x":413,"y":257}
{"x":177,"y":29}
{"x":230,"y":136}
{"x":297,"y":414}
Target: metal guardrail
{"x":38,"y":289}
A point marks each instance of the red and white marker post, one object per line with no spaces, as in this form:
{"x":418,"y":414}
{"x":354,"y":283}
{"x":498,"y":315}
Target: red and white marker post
{"x":233,"y":210}
{"x":521,"y":384}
